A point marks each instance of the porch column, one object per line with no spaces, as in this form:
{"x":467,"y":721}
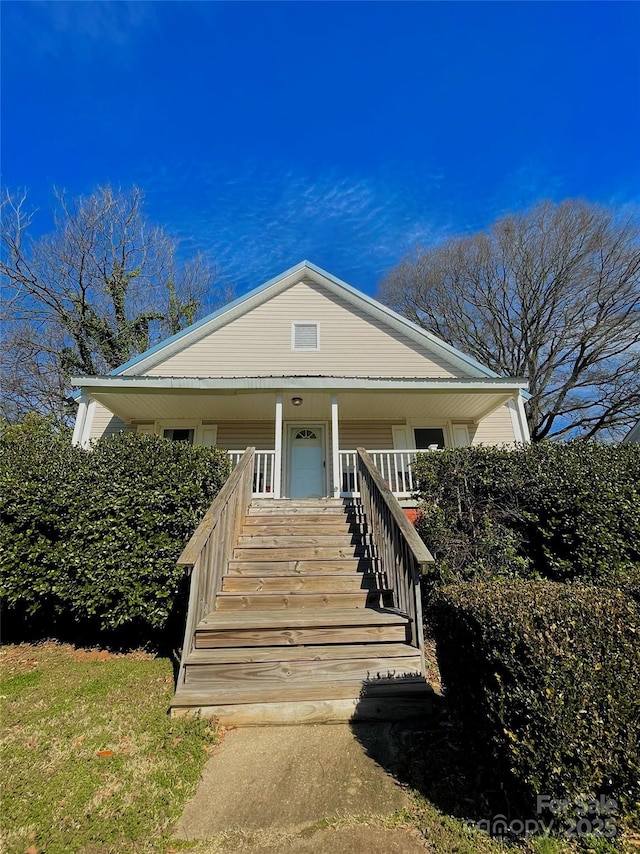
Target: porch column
{"x":88,"y":423}
{"x":522,"y":418}
{"x":277,"y":462}
{"x":335,"y":446}
{"x":81,"y":414}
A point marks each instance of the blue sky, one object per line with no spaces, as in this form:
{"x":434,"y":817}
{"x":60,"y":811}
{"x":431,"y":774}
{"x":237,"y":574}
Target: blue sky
{"x":345,"y":133}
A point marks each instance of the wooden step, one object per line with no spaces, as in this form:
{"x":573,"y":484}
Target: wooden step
{"x":302,"y":626}
{"x":277,"y":601}
{"x":350,"y":651}
{"x":299,"y":553}
{"x":299,"y":583}
{"x":329,"y":519}
{"x":300,"y":502}
{"x":266,"y":541}
{"x":285,"y":528}
{"x":300,"y":567}
{"x":305,"y":674}
{"x":326,"y":520}
{"x":271,"y":636}
{"x":372,"y":616}
{"x":384,"y":700}
{"x":273,"y":691}
{"x":388,"y":660}
{"x":327,"y":711}
{"x":300,"y":510}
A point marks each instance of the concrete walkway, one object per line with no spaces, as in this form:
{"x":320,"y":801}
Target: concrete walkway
{"x":299,"y":790}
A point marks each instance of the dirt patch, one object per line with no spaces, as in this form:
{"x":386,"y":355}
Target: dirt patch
{"x":15,"y":660}
{"x":106,"y":655}
{"x":24,"y":657}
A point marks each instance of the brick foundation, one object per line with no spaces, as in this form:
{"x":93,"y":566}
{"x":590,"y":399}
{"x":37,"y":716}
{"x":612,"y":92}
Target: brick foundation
{"x":411,"y":513}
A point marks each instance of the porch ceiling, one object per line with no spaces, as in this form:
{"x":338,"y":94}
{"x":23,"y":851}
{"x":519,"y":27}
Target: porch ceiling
{"x":353,"y":405}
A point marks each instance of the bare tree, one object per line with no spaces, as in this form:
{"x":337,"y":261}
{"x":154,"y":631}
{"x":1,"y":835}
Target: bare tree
{"x":100,"y":288}
{"x":552,"y":294}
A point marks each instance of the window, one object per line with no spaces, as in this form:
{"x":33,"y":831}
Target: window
{"x":427,"y":436}
{"x":179,"y":434}
{"x":305,"y":336}
{"x":305,"y":434}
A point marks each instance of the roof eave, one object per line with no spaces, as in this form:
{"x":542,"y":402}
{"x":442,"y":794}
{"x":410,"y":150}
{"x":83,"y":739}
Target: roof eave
{"x":185,"y":384}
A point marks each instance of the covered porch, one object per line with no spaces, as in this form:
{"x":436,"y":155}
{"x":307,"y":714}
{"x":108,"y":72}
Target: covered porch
{"x":306,"y":429}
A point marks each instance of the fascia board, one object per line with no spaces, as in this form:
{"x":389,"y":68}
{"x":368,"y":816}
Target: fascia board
{"x":153,"y":384}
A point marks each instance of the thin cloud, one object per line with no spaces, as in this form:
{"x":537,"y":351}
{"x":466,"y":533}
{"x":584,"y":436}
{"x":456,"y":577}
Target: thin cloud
{"x":77,"y":31}
{"x":260,"y":221}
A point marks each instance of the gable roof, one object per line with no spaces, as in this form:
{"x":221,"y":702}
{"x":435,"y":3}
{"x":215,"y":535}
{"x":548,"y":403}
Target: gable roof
{"x":303,"y":271}
{"x":634,"y":434}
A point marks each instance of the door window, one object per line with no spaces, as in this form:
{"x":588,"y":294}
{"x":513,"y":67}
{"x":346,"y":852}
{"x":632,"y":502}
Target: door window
{"x":305,"y":434}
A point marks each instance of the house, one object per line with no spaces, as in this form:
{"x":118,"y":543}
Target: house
{"x":633,"y":436}
{"x":306,"y":368}
{"x":305,"y":597}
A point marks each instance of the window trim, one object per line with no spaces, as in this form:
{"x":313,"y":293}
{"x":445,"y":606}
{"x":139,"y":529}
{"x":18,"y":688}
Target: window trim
{"x":159,"y":426}
{"x":294,"y":324}
{"x":428,"y":424}
{"x":447,"y":428}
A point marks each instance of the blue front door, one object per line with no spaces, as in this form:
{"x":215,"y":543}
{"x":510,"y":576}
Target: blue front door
{"x":307,"y":464}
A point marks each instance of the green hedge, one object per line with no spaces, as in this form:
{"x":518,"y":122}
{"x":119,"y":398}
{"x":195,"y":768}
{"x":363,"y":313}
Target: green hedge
{"x":90,"y":538}
{"x":556,"y":511}
{"x":544,"y":679}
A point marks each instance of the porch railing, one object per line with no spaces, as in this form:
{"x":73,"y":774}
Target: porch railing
{"x":401,"y":553}
{"x":211,"y":547}
{"x":396,"y":468}
{"x":264,"y":474}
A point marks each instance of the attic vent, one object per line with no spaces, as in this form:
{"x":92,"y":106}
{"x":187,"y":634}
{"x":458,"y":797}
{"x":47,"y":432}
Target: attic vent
{"x":305,"y":336}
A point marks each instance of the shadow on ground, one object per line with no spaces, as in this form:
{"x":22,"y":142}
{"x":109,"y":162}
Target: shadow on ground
{"x":424,"y":751}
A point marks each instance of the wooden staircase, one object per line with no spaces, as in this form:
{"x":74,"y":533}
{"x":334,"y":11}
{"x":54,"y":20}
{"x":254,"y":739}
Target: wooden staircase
{"x":302,"y":626}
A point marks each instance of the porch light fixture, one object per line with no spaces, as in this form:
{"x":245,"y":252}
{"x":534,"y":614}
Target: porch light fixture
{"x":297,"y":401}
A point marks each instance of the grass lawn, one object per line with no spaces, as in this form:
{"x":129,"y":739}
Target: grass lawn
{"x":92,"y":764}
{"x":90,"y":760}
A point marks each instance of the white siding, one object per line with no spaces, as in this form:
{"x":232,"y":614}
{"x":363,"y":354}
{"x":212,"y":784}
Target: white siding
{"x":259,"y":344}
{"x":237,"y":435}
{"x":105,"y":423}
{"x":495,"y":429}
{"x":372,"y":435}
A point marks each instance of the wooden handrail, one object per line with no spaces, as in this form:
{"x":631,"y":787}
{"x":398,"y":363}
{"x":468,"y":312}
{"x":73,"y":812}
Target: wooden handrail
{"x":192,"y":550}
{"x":401,"y":554}
{"x":421,"y":553}
{"x":210,"y":548}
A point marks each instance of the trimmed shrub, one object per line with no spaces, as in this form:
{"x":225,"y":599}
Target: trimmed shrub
{"x":90,"y":539}
{"x":544,"y":679}
{"x":557,"y":511}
